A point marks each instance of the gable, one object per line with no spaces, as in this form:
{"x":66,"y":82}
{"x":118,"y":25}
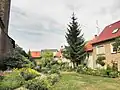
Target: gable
{"x":109,"y":32}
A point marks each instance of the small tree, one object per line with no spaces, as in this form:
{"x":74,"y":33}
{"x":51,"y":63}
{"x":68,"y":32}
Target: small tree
{"x":100,"y":60}
{"x":21,"y":51}
{"x":47,"y":56}
{"x":116,"y":45}
{"x":75,"y":49}
{"x":14,"y":59}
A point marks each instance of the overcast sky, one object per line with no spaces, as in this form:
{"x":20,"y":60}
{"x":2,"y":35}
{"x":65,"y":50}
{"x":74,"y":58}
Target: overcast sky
{"x":40,"y":24}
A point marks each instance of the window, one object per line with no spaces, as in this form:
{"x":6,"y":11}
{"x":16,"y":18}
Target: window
{"x":113,"y":49}
{"x":100,"y":49}
{"x":118,"y":50}
{"x":115,"y":30}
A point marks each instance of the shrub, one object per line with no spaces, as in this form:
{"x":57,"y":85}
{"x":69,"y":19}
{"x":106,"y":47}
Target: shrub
{"x":49,"y":80}
{"x":53,"y":78}
{"x":109,"y":72}
{"x":100,"y":60}
{"x":65,"y":66}
{"x":28,"y":63}
{"x":21,"y":88}
{"x":16,"y":60}
{"x":17,"y":78}
{"x":44,"y":70}
{"x":28,"y":73}
{"x":115,"y":66}
{"x":52,"y":71}
{"x":38,"y":68}
{"x":81,"y":69}
{"x":113,"y":74}
{"x":1,"y":78}
{"x":35,"y":84}
{"x":12,"y":81}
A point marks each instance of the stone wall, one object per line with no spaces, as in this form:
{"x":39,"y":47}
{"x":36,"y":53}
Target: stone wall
{"x":4,"y":12}
{"x":6,"y":43}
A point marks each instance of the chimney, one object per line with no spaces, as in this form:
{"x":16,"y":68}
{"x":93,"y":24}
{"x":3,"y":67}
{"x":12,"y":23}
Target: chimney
{"x":95,"y":36}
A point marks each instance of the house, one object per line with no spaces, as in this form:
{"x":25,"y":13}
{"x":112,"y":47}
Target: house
{"x":6,"y":43}
{"x":102,"y":45}
{"x":89,"y":49}
{"x":35,"y":54}
{"x":58,"y":55}
{"x":54,"y":51}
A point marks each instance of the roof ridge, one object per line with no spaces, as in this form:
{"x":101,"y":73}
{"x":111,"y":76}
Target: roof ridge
{"x":113,"y":23}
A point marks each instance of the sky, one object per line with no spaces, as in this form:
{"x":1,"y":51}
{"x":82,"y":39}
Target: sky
{"x":42,"y":24}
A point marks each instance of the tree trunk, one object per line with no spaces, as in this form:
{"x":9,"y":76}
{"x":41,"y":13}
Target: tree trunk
{"x":74,"y":65}
{"x":77,"y":64}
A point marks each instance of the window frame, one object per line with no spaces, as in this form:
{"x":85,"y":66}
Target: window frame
{"x":111,"y":48}
{"x":97,"y":50}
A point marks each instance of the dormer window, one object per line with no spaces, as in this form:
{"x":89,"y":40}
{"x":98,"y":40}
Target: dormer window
{"x":115,"y":30}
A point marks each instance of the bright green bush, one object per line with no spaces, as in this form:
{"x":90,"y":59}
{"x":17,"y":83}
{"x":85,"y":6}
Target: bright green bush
{"x":12,"y":81}
{"x":28,"y":73}
{"x":17,"y":78}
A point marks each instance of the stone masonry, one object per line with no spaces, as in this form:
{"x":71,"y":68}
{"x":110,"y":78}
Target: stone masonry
{"x":4,"y":12}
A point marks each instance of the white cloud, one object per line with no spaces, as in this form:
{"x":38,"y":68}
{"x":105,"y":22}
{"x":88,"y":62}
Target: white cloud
{"x":44,"y":22}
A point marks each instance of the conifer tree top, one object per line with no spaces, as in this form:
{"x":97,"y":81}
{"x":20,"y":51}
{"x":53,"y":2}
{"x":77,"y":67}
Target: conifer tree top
{"x":75,"y":40}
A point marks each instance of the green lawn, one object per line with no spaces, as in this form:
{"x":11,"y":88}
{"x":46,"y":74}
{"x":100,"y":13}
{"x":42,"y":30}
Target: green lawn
{"x":74,"y":81}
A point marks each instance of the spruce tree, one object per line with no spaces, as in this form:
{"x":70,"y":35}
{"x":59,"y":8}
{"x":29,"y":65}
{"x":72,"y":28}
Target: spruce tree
{"x":75,"y":49}
{"x":29,"y":55}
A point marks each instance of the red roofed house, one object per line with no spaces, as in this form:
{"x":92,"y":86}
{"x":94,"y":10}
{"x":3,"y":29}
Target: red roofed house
{"x":103,"y":45}
{"x":89,"y":49}
{"x":58,"y":55}
{"x":35,"y":54}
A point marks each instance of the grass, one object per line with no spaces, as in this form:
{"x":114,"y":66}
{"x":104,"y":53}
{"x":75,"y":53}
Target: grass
{"x":74,"y":81}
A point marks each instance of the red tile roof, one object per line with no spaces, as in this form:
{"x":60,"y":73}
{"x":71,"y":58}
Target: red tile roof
{"x":59,"y":53}
{"x":35,"y":54}
{"x":88,"y":46}
{"x":107,"y":34}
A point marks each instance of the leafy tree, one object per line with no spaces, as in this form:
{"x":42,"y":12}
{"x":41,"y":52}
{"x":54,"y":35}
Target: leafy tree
{"x":75,"y":49}
{"x":29,"y":54}
{"x":21,"y":51}
{"x":47,"y":56}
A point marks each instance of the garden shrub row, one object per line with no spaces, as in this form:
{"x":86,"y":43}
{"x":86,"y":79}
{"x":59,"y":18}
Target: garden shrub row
{"x":98,"y":72}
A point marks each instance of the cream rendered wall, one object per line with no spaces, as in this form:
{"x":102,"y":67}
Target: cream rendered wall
{"x":108,"y":54}
{"x":90,"y":60}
